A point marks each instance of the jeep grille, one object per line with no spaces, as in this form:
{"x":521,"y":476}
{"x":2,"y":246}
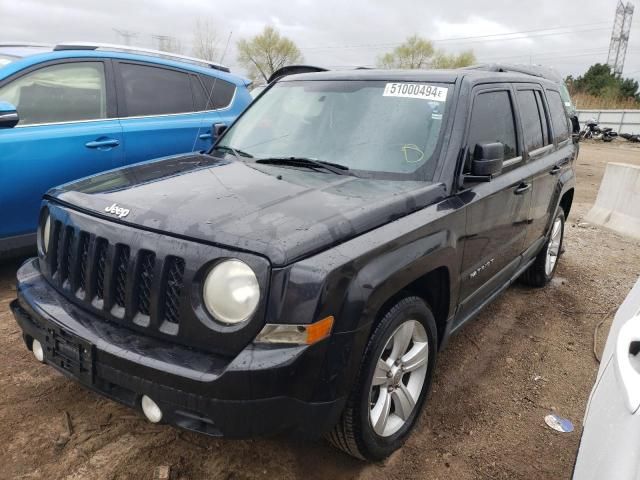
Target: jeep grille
{"x":114,"y":278}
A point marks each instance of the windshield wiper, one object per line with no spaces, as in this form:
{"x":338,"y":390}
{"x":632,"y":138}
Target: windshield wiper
{"x":237,"y":153}
{"x":336,"y":168}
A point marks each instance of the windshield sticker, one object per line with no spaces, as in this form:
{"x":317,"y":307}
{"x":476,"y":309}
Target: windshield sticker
{"x":415,"y":90}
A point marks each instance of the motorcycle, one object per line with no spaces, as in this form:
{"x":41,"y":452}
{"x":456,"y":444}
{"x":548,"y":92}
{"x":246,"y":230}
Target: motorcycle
{"x":593,"y":131}
{"x":631,"y":137}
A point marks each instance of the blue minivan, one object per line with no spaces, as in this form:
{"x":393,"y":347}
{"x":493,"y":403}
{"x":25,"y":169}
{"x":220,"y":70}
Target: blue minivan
{"x":77,"y":109}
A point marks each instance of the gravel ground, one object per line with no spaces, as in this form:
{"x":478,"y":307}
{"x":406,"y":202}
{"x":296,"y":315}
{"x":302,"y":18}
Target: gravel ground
{"x":527,"y":354}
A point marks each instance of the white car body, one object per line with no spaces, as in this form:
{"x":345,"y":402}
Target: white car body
{"x":610,"y":444}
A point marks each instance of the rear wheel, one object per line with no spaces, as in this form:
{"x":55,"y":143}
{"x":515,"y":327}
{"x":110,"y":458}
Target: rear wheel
{"x":392,"y":384}
{"x":545,"y":264}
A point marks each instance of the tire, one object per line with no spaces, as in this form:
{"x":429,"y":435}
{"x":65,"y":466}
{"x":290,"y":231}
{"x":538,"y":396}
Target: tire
{"x":539,"y":274}
{"x":355,"y":433}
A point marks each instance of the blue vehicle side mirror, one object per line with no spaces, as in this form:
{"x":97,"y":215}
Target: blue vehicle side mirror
{"x":8,"y":115}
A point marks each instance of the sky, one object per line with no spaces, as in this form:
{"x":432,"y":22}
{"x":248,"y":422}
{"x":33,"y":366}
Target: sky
{"x":567,"y":35}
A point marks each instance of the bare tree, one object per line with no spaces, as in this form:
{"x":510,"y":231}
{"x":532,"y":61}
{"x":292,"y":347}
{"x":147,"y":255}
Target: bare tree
{"x":265,"y":53}
{"x":206,"y":43}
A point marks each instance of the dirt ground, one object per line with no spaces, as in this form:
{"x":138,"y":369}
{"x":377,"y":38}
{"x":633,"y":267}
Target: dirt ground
{"x":528,"y":354}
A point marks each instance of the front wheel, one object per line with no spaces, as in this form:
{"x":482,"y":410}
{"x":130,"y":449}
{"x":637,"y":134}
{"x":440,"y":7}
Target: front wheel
{"x":544,"y":267}
{"x":392,"y":384}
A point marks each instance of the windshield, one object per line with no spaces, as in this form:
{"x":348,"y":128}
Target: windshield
{"x":6,"y":59}
{"x":376,"y":128}
{"x":566,"y":99}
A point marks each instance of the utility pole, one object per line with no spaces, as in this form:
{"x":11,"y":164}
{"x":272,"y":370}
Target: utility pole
{"x":167,"y":43}
{"x":163,"y":41}
{"x":126,"y":35}
{"x":620,"y":37}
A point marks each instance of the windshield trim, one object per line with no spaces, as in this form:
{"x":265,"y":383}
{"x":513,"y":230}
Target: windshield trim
{"x":418,"y":174}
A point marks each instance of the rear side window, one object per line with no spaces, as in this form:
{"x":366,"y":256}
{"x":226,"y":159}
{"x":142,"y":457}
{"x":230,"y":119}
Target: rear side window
{"x":213,"y":93}
{"x":155,"y":91}
{"x":531,"y":118}
{"x":559,"y":117}
{"x":492,"y":121}
{"x":68,"y":92}
{"x":544,"y":117}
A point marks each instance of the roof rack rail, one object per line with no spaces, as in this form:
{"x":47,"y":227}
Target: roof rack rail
{"x":138,"y":50}
{"x":25,"y":44}
{"x":533,"y":70}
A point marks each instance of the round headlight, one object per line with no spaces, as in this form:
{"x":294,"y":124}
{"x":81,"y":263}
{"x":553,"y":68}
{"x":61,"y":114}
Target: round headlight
{"x":46,"y":232}
{"x":231,"y":291}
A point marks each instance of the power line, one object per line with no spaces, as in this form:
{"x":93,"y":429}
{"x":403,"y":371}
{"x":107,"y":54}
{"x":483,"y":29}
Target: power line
{"x":539,"y":57}
{"x":489,"y":37}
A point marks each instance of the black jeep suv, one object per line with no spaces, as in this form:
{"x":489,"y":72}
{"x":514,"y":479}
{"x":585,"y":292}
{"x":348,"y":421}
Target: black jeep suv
{"x":303,"y":274}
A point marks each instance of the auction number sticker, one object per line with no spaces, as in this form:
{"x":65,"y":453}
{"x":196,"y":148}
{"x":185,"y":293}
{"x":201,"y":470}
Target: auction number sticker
{"x":415,"y":90}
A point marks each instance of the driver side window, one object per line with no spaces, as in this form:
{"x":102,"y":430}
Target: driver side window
{"x":67,"y":92}
{"x":492,"y":120}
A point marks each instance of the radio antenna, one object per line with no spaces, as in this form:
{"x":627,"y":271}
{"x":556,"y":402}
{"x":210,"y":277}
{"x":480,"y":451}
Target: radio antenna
{"x":210,"y":96}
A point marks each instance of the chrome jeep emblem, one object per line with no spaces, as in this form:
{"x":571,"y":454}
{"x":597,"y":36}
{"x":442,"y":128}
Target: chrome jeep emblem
{"x":116,"y":210}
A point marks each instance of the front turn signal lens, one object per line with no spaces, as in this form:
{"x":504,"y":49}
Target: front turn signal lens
{"x":296,"y":334}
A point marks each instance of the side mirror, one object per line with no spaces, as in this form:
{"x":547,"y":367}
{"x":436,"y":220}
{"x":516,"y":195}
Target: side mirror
{"x":487,"y":159}
{"x":8,"y":115}
{"x":218,"y":129}
{"x":575,"y":127}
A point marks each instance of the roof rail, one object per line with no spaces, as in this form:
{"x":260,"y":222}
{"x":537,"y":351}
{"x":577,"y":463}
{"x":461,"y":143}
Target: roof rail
{"x":138,"y":50}
{"x":25,"y":44}
{"x":533,"y":70}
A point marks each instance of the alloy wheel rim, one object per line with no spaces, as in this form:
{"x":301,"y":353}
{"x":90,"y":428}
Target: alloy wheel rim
{"x":398,"y":378}
{"x":553,"y":249}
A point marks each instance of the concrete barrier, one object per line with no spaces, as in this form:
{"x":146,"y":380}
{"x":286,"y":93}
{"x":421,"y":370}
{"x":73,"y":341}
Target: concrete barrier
{"x":617,"y":206}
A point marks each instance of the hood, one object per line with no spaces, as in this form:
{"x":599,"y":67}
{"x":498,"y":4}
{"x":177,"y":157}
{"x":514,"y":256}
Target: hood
{"x":281,"y":213}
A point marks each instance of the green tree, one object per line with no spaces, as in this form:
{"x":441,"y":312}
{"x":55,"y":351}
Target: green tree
{"x":417,"y":52}
{"x":596,"y":81}
{"x":600,"y":81}
{"x":629,"y":89}
{"x":267,"y":52}
{"x":463,"y":59}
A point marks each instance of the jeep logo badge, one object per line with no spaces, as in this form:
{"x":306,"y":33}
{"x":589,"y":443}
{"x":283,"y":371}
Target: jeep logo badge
{"x":116,"y":210}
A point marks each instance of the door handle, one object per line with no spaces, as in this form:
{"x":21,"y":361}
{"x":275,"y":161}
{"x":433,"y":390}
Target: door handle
{"x":522,"y":188}
{"x":111,"y":142}
{"x":205,"y":136}
{"x":628,"y":335}
{"x":555,"y":170}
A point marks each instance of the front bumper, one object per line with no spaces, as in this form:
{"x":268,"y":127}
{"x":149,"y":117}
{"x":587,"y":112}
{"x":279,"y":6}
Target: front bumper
{"x":264,"y":390}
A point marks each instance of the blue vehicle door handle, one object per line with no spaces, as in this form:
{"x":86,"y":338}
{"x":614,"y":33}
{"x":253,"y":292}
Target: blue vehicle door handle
{"x":103,"y":144}
{"x":205,"y":136}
